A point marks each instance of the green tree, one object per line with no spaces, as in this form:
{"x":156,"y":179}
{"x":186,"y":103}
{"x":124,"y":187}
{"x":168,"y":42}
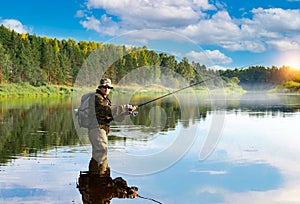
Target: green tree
{"x":5,"y":65}
{"x":35,"y":43}
{"x":186,"y":70}
{"x":46,"y":60}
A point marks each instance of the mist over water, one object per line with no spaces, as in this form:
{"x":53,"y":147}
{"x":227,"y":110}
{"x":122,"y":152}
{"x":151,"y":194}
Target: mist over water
{"x":261,"y":87}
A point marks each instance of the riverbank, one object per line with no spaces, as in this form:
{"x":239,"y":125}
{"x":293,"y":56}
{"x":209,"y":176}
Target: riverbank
{"x":289,"y":87}
{"x":25,"y":90}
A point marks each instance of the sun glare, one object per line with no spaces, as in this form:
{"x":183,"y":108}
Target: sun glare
{"x":293,"y":63}
{"x":291,"y":60}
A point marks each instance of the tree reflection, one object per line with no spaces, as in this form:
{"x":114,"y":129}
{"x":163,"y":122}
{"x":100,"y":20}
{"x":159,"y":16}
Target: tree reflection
{"x":33,"y":125}
{"x":28,"y":126}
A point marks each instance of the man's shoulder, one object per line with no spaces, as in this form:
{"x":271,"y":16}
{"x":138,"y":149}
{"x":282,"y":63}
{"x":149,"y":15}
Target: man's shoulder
{"x":100,"y":99}
{"x":99,"y":96}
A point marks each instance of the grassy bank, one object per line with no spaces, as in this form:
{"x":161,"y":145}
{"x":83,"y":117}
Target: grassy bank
{"x":25,"y":89}
{"x":289,"y":87}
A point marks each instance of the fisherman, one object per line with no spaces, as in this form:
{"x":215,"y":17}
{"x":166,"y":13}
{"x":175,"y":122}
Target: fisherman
{"x":105,"y":113}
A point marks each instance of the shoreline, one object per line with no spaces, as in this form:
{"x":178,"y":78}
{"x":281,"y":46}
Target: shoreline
{"x":27,"y":90}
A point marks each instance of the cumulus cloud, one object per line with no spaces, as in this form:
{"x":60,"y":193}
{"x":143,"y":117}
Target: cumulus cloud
{"x":253,"y":45}
{"x":277,"y":19}
{"x":153,"y":14}
{"x":209,"y":56}
{"x":201,"y":21}
{"x":15,"y":25}
{"x":219,"y":28}
{"x":276,"y":27}
{"x":105,"y":25}
{"x":285,"y":44}
{"x":256,"y":35}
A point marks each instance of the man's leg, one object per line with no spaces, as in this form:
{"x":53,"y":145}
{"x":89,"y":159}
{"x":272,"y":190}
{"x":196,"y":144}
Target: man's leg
{"x":98,"y":139}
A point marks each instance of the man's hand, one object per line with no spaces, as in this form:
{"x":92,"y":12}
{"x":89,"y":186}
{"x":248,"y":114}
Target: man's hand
{"x":131,"y":109}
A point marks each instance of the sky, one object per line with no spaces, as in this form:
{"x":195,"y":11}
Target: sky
{"x":231,"y":34}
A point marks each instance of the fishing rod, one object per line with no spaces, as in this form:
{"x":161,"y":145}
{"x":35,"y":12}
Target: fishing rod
{"x":148,"y":199}
{"x":168,"y":94}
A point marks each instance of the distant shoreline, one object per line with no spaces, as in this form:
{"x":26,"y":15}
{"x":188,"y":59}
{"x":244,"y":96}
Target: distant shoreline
{"x":27,"y":90}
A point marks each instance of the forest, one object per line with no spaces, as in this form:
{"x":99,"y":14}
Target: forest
{"x":38,"y":61}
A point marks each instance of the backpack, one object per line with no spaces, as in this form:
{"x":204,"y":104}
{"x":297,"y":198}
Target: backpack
{"x":86,"y":111}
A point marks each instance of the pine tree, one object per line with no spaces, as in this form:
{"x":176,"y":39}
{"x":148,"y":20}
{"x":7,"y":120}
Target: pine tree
{"x":5,"y":65}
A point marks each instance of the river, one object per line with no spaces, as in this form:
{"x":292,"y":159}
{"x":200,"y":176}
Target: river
{"x":243,"y":151}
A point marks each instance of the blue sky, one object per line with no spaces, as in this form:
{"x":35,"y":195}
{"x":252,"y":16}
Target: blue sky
{"x":231,"y":33}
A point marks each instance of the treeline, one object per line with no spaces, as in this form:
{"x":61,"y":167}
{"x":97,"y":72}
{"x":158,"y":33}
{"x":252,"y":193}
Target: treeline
{"x":26,"y":58}
{"x":41,"y":60}
{"x":260,"y":75}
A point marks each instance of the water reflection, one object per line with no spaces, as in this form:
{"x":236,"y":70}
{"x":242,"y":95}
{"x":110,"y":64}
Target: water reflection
{"x":239,"y":177}
{"x":256,"y":160}
{"x":98,"y":187}
{"x":28,"y":126}
{"x":261,"y":104}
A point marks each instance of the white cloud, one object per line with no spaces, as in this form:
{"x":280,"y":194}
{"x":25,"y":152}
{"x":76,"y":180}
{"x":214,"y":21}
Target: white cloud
{"x":217,"y":67}
{"x":277,"y":19}
{"x":250,"y":45}
{"x":209,"y":56}
{"x":285,"y":44}
{"x":211,"y":172}
{"x":80,"y":14}
{"x":273,"y":28}
{"x":15,"y":25}
{"x":153,"y":14}
{"x":267,"y":26}
{"x":220,"y":27}
{"x":101,"y":25}
{"x":113,"y":6}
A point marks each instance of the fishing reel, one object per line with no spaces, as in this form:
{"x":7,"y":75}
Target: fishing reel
{"x":129,"y":109}
{"x":132,"y":192}
{"x":134,"y":113}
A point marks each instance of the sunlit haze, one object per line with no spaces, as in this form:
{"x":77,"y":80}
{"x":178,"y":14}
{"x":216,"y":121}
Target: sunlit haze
{"x":290,"y":59}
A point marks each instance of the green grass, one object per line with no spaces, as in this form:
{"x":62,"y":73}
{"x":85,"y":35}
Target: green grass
{"x":25,"y":89}
{"x":289,"y":86}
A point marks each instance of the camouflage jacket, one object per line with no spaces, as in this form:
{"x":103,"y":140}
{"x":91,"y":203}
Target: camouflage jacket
{"x":106,"y":112}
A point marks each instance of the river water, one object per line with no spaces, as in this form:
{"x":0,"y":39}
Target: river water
{"x":243,"y":151}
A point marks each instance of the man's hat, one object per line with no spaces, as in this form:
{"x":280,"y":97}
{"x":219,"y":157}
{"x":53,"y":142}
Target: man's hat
{"x":106,"y":82}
